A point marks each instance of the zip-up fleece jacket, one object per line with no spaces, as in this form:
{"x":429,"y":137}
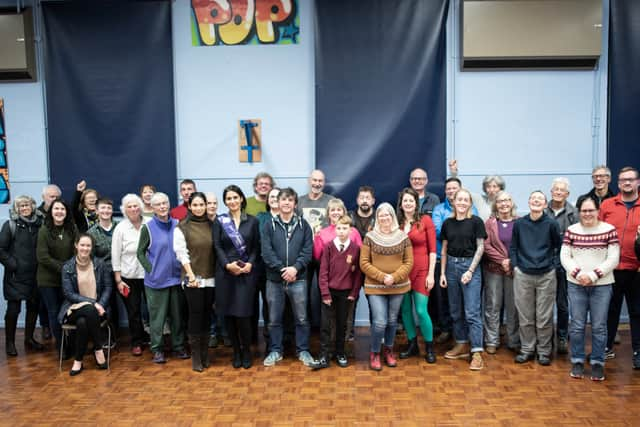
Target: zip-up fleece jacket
{"x":626,"y":221}
{"x":282,"y":248}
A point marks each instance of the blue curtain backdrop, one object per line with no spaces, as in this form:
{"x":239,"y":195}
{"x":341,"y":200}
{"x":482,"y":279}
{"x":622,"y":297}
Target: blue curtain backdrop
{"x":624,"y":85}
{"x":109,"y":86}
{"x":380,"y":96}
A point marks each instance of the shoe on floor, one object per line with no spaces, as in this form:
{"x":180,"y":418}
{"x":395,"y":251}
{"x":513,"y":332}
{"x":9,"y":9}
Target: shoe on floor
{"x":158,"y":357}
{"x":616,"y":339}
{"x":321,"y":363}
{"x":136,"y":350}
{"x":544,"y":360}
{"x":213,"y":341}
{"x":523,"y":357}
{"x":477,"y":363}
{"x":597,"y":372}
{"x":181,"y":354}
{"x":609,"y":354}
{"x":374,"y":361}
{"x":491,"y":349}
{"x":272,"y":358}
{"x":577,"y":370}
{"x":563,"y":347}
{"x":306,"y":358}
{"x":636,"y":360}
{"x":459,"y":351}
{"x":341,"y":359}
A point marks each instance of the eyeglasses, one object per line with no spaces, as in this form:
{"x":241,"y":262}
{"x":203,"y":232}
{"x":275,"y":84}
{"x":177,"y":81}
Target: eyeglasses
{"x":588,"y":211}
{"x":503,"y":201}
{"x":418,"y":178}
{"x":623,"y":180}
{"x":600,"y":176}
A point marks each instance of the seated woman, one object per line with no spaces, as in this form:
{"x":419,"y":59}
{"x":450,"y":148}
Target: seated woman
{"x":86,"y":285}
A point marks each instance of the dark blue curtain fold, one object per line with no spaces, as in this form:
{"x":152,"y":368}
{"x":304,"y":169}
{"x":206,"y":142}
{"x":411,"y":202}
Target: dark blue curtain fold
{"x":624,"y":86}
{"x":380,"y":96}
{"x":109,"y":86}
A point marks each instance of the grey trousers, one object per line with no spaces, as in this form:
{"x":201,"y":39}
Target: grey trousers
{"x":499,"y":288}
{"x":535,"y":296}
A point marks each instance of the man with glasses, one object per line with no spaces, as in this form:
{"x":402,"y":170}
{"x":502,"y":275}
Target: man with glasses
{"x":623,"y":212}
{"x":601,"y":177}
{"x":418,"y":180}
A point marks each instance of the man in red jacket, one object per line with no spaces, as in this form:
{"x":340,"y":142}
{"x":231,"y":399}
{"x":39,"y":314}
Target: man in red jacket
{"x":623,"y":212}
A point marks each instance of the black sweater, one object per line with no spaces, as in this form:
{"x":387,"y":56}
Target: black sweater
{"x":535,"y":245}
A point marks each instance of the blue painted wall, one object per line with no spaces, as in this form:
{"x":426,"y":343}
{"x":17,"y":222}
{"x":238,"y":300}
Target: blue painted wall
{"x":527,"y":126}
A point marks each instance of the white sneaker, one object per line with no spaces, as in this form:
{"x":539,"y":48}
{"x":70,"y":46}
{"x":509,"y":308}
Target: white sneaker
{"x":272,"y":358}
{"x":306,"y":358}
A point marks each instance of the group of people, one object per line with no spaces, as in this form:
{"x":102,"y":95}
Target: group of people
{"x":462,"y":268}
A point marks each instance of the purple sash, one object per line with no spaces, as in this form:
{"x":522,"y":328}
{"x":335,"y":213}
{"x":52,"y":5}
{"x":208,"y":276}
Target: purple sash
{"x":234,"y":235}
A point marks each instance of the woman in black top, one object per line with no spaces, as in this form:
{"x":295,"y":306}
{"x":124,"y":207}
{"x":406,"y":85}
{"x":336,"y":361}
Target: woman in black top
{"x":462,"y":238}
{"x":18,"y":239}
{"x":237,"y":244}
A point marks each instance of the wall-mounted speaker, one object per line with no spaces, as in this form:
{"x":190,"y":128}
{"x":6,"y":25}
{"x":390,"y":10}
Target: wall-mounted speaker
{"x":17,"y":46}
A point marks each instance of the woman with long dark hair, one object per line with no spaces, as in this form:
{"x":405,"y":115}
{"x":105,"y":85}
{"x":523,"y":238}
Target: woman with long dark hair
{"x":236,"y":240}
{"x":55,"y":246}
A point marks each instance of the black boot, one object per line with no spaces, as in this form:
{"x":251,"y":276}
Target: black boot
{"x":412,"y":349}
{"x":431,"y":354}
{"x":196,"y":356}
{"x":30,"y":327}
{"x":204,"y":350}
{"x":10,"y":324}
{"x":247,"y":358}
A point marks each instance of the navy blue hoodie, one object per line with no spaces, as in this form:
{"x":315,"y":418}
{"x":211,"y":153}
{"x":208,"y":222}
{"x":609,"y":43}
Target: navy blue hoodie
{"x":284,"y":248}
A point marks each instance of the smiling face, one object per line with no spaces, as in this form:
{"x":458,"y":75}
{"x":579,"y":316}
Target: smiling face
{"x":601,"y":179}
{"x":450,"y":189}
{"x":50,"y":194}
{"x":537,"y":202}
{"x":58,"y":213}
{"x":161,"y":209}
{"x":335,"y":212}
{"x":316,"y":182}
{"x":132,"y":211}
{"x":588,"y":214}
{"x":418,"y":180}
{"x":83,"y":247}
{"x":462,"y":203}
{"x":212,"y":205}
{"x":105,"y":211}
{"x":385,"y":221}
{"x":559,"y":193}
{"x":90,"y":199}
{"x":262,"y":187}
{"x":146,"y":194}
{"x":233,"y":201}
{"x":408,"y":205}
{"x":504,"y":205}
{"x":198,"y":206}
{"x":25,"y":209}
{"x":272,"y":200}
{"x":286,"y":205}
{"x":491,"y":189}
{"x":628,"y":183}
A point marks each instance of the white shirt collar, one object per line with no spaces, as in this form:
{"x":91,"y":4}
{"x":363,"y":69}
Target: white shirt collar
{"x":337,"y":243}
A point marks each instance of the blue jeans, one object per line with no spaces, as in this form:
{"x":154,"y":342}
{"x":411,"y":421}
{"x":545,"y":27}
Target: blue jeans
{"x":384,"y":315}
{"x":297,"y":293}
{"x":465,"y":302}
{"x":53,"y":299}
{"x":595,"y":301}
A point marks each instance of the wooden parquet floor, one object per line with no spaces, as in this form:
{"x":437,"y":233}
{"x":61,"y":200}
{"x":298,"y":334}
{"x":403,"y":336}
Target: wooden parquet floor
{"x":138,"y":393}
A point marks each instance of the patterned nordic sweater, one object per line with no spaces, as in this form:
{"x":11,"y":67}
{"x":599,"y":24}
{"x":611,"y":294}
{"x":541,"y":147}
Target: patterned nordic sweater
{"x":377,"y":259}
{"x":592,"y":250}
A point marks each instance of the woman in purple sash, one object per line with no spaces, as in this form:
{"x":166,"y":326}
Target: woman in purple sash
{"x":237,"y":244}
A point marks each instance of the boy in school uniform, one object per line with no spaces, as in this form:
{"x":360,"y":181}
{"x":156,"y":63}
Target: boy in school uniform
{"x":340,"y":280}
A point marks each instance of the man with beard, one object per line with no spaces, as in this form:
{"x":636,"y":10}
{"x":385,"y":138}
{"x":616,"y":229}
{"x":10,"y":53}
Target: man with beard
{"x":418,"y":179}
{"x":262,"y":184}
{"x":623,"y":212}
{"x":601,"y":177}
{"x":313,"y":208}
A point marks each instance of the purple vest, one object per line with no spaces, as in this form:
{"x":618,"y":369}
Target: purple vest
{"x":165,"y":268}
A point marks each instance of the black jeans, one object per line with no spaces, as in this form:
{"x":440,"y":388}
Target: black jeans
{"x":627,"y":286}
{"x":562,"y":304}
{"x":336,"y":312}
{"x":200,"y":303}
{"x":261,"y":290}
{"x":438,"y":305}
{"x":134,"y":312}
{"x":87,"y":323}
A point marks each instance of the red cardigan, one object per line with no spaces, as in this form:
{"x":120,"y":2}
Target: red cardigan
{"x":494,"y":250}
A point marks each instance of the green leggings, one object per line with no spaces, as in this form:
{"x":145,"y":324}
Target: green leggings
{"x":420,"y":303}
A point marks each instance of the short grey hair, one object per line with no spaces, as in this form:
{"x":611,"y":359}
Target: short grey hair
{"x":561,"y":180}
{"x":159,"y":197}
{"x":55,"y":187}
{"x":128,"y":198}
{"x":493,"y":178}
{"x":597,"y":168}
